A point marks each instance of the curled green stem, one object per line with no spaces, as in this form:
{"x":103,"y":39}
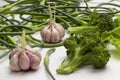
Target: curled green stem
{"x":46,"y":62}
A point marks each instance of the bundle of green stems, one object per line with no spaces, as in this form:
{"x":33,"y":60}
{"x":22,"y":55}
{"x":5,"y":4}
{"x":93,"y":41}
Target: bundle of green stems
{"x":33,"y":15}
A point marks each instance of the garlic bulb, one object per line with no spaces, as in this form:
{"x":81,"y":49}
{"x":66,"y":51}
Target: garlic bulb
{"x":24,"y":59}
{"x":52,"y":33}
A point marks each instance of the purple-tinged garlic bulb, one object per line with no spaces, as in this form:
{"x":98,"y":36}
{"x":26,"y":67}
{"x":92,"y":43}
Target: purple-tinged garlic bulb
{"x":52,"y":33}
{"x":25,"y":59}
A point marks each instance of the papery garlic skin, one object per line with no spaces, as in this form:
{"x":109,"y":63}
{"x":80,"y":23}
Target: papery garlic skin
{"x":25,"y":59}
{"x":52,"y":33}
{"x":14,"y":63}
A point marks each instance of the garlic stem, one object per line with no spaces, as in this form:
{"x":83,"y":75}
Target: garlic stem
{"x":22,"y":40}
{"x":50,"y":12}
{"x":52,"y":21}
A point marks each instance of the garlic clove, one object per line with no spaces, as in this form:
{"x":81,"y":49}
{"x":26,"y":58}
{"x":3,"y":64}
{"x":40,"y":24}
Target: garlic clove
{"x":60,"y":29}
{"x":24,"y":61}
{"x":35,"y":61}
{"x":14,"y":63}
{"x":43,"y":32}
{"x":35,"y":52}
{"x":55,"y":36}
{"x":47,"y":36}
{"x":38,"y":55}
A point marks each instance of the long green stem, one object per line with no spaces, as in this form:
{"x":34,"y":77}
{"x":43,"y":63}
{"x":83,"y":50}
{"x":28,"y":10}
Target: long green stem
{"x":14,"y":4}
{"x":16,"y":33}
{"x":72,"y":30}
{"x":13,"y":26}
{"x":43,"y":15}
{"x":46,"y":45}
{"x":27,"y":13}
{"x":7,"y":44}
{"x":30,"y":20}
{"x":74,"y":19}
{"x":31,"y":31}
{"x":46,"y":62}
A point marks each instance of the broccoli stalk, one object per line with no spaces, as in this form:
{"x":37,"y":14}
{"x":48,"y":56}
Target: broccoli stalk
{"x":80,"y":29}
{"x":84,"y":48}
{"x":72,"y":63}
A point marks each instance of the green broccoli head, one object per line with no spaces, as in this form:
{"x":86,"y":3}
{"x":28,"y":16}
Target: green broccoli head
{"x":103,"y":20}
{"x":70,"y":42}
{"x":81,"y":49}
{"x":100,"y":56}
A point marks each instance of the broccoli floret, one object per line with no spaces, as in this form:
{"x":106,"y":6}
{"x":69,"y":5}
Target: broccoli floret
{"x":100,"y":22}
{"x":103,"y":20}
{"x":84,"y":48}
{"x":100,"y":56}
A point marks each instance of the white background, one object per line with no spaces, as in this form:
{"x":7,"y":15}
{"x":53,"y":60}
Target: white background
{"x":111,"y":72}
